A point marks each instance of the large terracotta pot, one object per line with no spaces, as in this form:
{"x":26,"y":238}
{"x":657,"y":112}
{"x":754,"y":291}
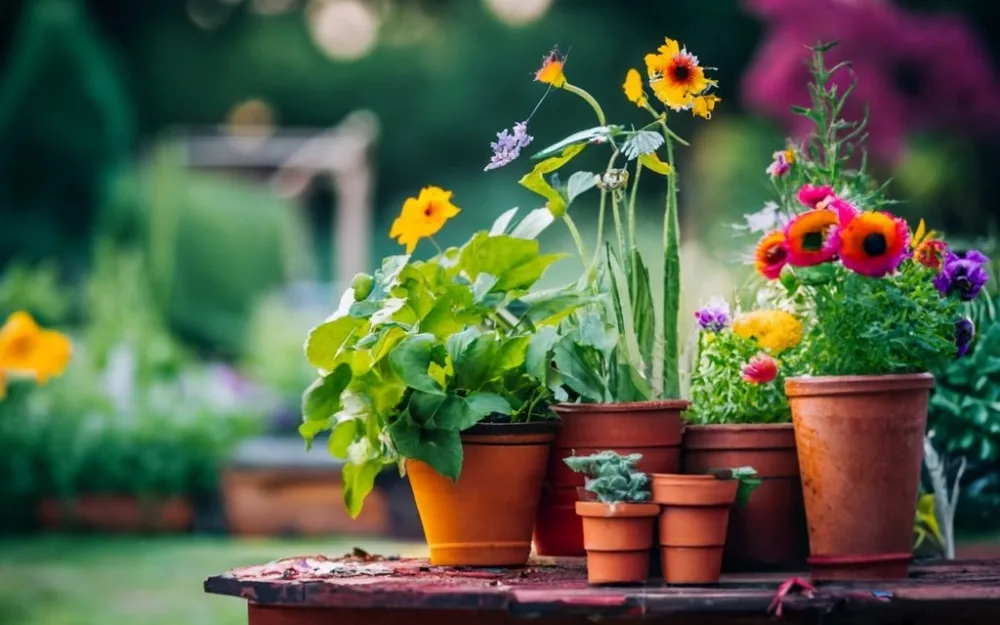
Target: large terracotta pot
{"x":652,"y":429}
{"x":618,"y":538}
{"x":769,"y":533}
{"x":126,"y":514}
{"x":860,"y":445}
{"x":693,"y":521}
{"x":486,"y":517}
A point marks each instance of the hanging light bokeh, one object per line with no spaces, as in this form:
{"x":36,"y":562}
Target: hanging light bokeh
{"x":518,"y":12}
{"x":344,"y":30}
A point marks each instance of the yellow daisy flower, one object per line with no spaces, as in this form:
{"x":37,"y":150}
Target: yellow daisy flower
{"x":775,"y":330}
{"x":27,"y":349}
{"x":633,"y":88}
{"x":675,"y":75}
{"x":423,"y":216}
{"x":703,"y":105}
{"x":551,"y":71}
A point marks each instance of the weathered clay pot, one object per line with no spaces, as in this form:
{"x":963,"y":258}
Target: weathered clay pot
{"x":117,"y":514}
{"x":693,"y":523}
{"x":617,"y":538}
{"x":652,"y":429}
{"x":769,"y":533}
{"x":860,"y":445}
{"x":486,"y":517}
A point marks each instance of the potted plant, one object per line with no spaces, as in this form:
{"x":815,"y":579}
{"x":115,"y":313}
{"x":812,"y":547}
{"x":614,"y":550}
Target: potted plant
{"x":616,"y":364}
{"x":617,"y":517}
{"x":740,"y":417}
{"x":694,"y":520}
{"x":439,"y":366}
{"x":882,"y":306}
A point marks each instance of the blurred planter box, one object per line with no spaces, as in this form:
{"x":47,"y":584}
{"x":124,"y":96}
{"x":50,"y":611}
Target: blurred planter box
{"x":117,"y":514}
{"x":272,"y":487}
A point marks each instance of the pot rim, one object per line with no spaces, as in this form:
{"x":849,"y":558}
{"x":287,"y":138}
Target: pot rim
{"x":820,"y":386}
{"x":740,"y":427}
{"x":620,"y":509}
{"x":859,"y":559}
{"x":652,"y":405}
{"x":512,"y":429}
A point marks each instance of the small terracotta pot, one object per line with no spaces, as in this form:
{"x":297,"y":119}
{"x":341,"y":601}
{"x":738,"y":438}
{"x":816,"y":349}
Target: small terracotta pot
{"x":769,"y":533}
{"x":860,"y":444}
{"x":693,"y":523}
{"x":617,"y":538}
{"x":652,"y":429}
{"x":486,"y":517}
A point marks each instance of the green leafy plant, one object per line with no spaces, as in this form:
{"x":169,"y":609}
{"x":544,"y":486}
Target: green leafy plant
{"x":611,"y":477}
{"x":748,"y":482}
{"x":431,"y":349}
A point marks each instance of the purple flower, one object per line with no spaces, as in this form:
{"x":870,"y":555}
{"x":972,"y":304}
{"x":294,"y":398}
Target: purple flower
{"x":965,"y":332}
{"x":963,"y":273}
{"x":713,"y":316}
{"x":779,"y":167}
{"x":508,"y":145}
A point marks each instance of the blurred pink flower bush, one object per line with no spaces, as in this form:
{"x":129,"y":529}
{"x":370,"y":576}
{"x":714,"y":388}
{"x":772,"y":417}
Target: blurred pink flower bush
{"x":916,"y":71}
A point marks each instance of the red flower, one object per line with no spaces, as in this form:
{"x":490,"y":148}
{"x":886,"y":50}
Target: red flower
{"x":760,"y":370}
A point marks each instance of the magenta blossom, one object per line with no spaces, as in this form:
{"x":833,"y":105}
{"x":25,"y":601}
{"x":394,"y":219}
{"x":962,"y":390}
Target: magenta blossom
{"x":779,"y":167}
{"x":811,"y":195}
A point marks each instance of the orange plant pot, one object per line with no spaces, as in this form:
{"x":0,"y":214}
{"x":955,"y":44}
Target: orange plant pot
{"x":769,"y":533}
{"x":617,"y":538}
{"x":652,"y":429}
{"x":693,"y":522}
{"x":486,"y":517}
{"x":860,"y":442}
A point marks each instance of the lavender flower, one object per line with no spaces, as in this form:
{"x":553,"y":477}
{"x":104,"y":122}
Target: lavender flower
{"x":965,"y":332}
{"x":963,"y":273}
{"x":508,"y":145}
{"x":713,"y":316}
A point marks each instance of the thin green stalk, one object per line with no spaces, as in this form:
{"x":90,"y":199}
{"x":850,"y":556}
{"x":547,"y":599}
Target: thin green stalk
{"x":601,"y":212}
{"x":671,"y":280}
{"x":631,"y":205}
{"x":619,"y":228}
{"x":590,"y":100}
{"x":577,"y":239}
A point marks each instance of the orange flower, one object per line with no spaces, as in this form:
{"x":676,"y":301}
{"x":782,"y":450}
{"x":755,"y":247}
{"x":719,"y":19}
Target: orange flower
{"x":771,"y":254}
{"x":551,"y":71}
{"x":874,"y":244}
{"x":423,"y":216}
{"x":811,"y":237}
{"x":676,"y":77}
{"x":27,"y":349}
{"x":930,"y":253}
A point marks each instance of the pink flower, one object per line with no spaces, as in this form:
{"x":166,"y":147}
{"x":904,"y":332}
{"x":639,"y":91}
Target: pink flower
{"x":844,"y":209}
{"x":779,"y":167}
{"x":761,"y":369}
{"x":811,"y":195}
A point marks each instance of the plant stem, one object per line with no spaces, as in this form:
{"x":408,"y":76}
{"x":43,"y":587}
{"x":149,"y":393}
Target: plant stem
{"x":571,"y":226}
{"x":619,"y":228}
{"x":600,"y":211}
{"x":589,"y":99}
{"x":631,"y":205}
{"x":671,"y":279}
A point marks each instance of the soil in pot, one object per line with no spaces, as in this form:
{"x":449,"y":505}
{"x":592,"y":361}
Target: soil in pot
{"x":617,"y":538}
{"x":652,"y":429}
{"x":486,"y":517}
{"x":693,"y":522}
{"x":769,"y":533}
{"x":860,"y":446}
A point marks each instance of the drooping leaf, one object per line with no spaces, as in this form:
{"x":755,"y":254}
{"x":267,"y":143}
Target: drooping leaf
{"x":577,"y":372}
{"x":538,"y":355}
{"x":578,"y":140}
{"x":461,"y":413}
{"x":495,"y":255}
{"x":642,"y":142}
{"x":322,"y":399}
{"x":411,"y":359}
{"x":579,"y":183}
{"x":502,"y":223}
{"x":483,"y":285}
{"x":522,"y":277}
{"x":652,"y":162}
{"x":533,"y":224}
{"x":623,"y":303}
{"x":358,"y":482}
{"x":449,"y":313}
{"x":535,"y":179}
{"x":343,"y":434}
{"x":441,"y":449}
{"x":327,"y":342}
{"x":551,"y":305}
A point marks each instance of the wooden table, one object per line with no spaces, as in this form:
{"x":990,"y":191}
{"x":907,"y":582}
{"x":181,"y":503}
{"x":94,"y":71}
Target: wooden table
{"x":371,"y":590}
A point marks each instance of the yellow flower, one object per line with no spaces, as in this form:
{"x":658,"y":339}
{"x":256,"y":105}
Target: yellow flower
{"x":704,"y":105}
{"x":652,"y":161}
{"x":774,"y":330}
{"x":423,"y":216}
{"x":27,"y":349}
{"x":3,"y":385}
{"x":633,"y":88}
{"x":790,"y":156}
{"x":551,"y":71}
{"x":675,"y":75}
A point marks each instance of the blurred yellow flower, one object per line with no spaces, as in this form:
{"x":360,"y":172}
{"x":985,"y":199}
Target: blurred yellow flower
{"x":704,"y":105}
{"x":551,"y":71}
{"x":789,"y":156}
{"x":774,"y":330}
{"x":3,"y":385}
{"x":423,"y":216}
{"x":675,"y":75}
{"x":652,"y":161}
{"x":633,"y":88}
{"x":27,"y":349}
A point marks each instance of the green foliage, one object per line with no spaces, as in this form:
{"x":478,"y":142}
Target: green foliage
{"x":436,"y":347}
{"x":35,"y":289}
{"x":611,"y":477}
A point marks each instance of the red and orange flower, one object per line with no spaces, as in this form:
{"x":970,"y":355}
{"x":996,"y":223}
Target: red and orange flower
{"x":771,"y":254}
{"x":677,"y":79}
{"x":874,"y":243}
{"x":811,"y":237}
{"x":551,"y":71}
{"x":761,"y":369}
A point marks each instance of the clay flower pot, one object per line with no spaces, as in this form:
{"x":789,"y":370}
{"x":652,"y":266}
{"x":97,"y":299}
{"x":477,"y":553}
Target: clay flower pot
{"x":769,"y":533}
{"x":486,"y":517}
{"x":617,"y":538}
{"x":118,"y":514}
{"x":693,"y":521}
{"x":652,"y":429}
{"x":860,"y":444}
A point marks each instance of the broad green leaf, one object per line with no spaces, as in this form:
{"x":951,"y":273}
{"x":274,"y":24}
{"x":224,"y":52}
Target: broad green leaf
{"x":624,"y":305}
{"x":538,"y":356}
{"x":411,"y":359}
{"x":358,"y":482}
{"x":577,"y":372}
{"x":322,"y":399}
{"x":816,"y":275}
{"x":343,"y":434}
{"x":526,"y":275}
{"x":512,"y":353}
{"x":535,"y":180}
{"x":391,"y":266}
{"x":652,"y":162}
{"x":579,"y":183}
{"x":441,"y":449}
{"x":308,"y":430}
{"x":458,"y":413}
{"x":450,"y":313}
{"x":578,"y":140}
{"x":552,"y":305}
{"x":591,"y":331}
{"x":423,"y":408}
{"x":533,"y":224}
{"x":328,"y":341}
{"x":475,"y":365}
{"x":513,"y":261}
{"x":486,"y":404}
{"x":502,"y":222}
{"x":642,"y":142}
{"x":457,"y":344}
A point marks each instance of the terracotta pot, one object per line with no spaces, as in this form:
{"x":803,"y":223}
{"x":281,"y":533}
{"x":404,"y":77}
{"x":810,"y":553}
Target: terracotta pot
{"x":486,"y":517}
{"x":652,"y":429}
{"x":860,"y":443}
{"x":617,"y":538}
{"x":693,"y":522}
{"x":125,"y":514}
{"x":769,"y":533}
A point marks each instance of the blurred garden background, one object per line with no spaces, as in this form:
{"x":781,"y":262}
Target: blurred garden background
{"x":186,"y":186}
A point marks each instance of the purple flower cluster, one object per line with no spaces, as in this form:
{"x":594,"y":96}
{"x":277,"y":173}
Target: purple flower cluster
{"x":964,"y":274}
{"x":965,"y":332}
{"x":508,"y":145}
{"x":713,"y":316}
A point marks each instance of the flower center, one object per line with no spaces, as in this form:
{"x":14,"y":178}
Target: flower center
{"x":429,"y":210}
{"x":775,"y":255}
{"x":962,"y":283}
{"x":812,"y":241}
{"x":875,"y":244}
{"x":20,"y":346}
{"x":681,"y":73}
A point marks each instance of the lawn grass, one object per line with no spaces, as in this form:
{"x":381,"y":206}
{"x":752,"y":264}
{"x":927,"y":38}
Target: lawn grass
{"x":85,"y":580}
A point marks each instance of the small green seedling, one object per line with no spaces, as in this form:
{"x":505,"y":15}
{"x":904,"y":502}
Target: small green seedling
{"x":747,"y":477}
{"x":611,"y":477}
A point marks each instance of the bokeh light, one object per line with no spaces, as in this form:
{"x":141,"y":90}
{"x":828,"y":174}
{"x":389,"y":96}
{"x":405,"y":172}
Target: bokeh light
{"x":518,"y":12}
{"x":344,"y":30}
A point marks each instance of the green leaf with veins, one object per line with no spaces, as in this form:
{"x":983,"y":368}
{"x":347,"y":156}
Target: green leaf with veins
{"x":411,"y":359}
{"x":328,"y":341}
{"x":358,"y":482}
{"x":441,"y":449}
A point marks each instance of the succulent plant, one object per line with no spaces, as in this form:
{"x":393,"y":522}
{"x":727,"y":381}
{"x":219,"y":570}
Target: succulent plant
{"x":611,"y":477}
